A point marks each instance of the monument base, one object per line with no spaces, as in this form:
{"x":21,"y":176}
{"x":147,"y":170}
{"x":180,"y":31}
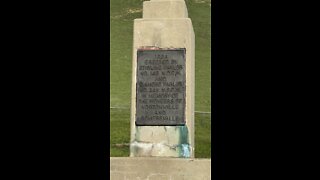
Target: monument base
{"x":159,"y":168}
{"x":161,"y":141}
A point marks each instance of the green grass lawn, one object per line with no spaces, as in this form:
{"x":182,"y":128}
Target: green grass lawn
{"x":122,"y":14}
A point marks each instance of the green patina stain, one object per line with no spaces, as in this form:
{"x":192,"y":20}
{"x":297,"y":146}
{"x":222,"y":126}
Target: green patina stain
{"x":183,"y":147}
{"x":183,"y":130}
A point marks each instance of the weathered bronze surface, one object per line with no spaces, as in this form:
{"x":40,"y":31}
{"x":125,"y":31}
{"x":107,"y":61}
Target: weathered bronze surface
{"x":161,"y":87}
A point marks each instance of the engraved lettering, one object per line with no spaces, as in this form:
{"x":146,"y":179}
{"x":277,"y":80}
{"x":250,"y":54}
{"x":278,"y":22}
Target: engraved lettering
{"x":161,"y":87}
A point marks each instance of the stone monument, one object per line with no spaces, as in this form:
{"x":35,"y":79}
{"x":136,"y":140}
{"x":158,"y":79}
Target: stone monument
{"x":163,"y":76}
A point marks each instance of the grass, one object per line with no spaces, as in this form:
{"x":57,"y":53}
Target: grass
{"x":119,"y":132}
{"x":122,"y":14}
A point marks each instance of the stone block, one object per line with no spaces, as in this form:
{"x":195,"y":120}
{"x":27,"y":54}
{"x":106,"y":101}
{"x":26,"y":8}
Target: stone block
{"x":165,"y":25}
{"x":165,"y":9}
{"x":144,"y":168}
{"x":116,"y":176}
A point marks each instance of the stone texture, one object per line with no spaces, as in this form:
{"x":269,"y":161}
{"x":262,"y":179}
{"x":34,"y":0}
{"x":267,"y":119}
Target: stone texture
{"x":132,"y":176}
{"x":116,"y":176}
{"x":159,"y":177}
{"x":144,"y":168}
{"x":165,"y":9}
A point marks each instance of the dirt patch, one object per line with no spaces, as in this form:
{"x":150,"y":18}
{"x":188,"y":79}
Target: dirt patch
{"x":121,"y":145}
{"x":126,"y":13}
{"x":203,"y":1}
{"x":131,"y":11}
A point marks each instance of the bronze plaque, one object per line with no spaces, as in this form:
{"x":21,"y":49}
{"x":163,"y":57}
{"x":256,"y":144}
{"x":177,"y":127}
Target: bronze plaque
{"x":161,"y":87}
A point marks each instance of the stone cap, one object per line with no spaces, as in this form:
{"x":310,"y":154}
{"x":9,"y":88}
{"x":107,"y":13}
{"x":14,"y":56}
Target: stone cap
{"x":165,"y":9}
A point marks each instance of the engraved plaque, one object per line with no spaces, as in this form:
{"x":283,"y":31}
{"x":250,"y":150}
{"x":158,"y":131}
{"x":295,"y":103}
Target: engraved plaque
{"x":161,"y":87}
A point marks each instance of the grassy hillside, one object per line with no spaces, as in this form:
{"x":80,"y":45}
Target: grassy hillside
{"x":122,"y":14}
